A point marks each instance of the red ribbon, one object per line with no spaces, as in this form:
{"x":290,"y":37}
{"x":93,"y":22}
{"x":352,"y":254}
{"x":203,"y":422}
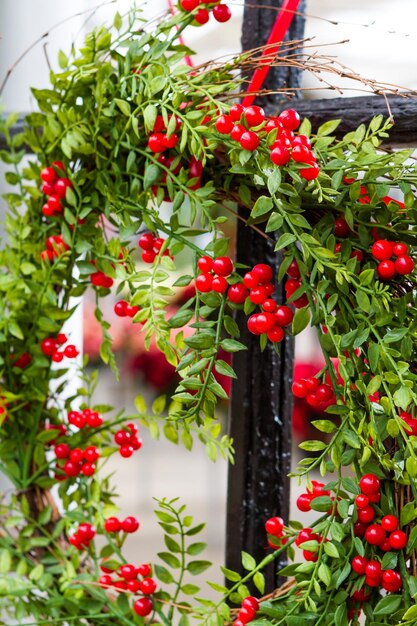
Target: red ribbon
{"x":187,"y":58}
{"x":278,"y":32}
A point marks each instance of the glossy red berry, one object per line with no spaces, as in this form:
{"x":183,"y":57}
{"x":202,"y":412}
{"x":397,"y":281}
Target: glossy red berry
{"x":143,"y":607}
{"x":130,"y":524}
{"x":70,"y":351}
{"x":280,"y":155}
{"x":301,"y":154}
{"x":144,"y":570}
{"x":361,"y":501}
{"x":375,"y":535}
{"x":126,"y":451}
{"x":62,"y":451}
{"x":88,"y":469}
{"x":306,"y":534}
{"x":263,"y":273}
{"x":254,"y":115}
{"x":310,"y":173}
{"x":304,"y":502}
{"x":112,"y":525}
{"x":258,"y":295}
{"x":250,"y":601}
{"x":389,"y":523}
{"x":382,"y":250}
{"x":341,"y":227}
{"x":265,"y":322}
{"x":398,"y":539}
{"x":252,"y":326}
{"x":404,"y":265}
{"x":289,"y":119}
{"x":391,"y":580}
{"x":400,"y":249}
{"x":204,"y":282}
{"x":237,"y":293}
{"x":48,"y":175}
{"x":61,"y":186}
{"x":189,"y":5}
{"x":276,"y":334}
{"x":222,"y":266}
{"x":76,"y":455}
{"x":249,"y":140}
{"x":299,"y":389}
{"x":133,"y":585}
{"x":72,"y":469}
{"x":386,"y":270}
{"x":127,"y":571}
{"x":91,"y":454}
{"x":359,"y":564}
{"x":246,"y":614}
{"x":105,"y":581}
{"x":48,"y":346}
{"x":284,"y":315}
{"x":310,"y":556}
{"x":146,"y":241}
{"x":369,"y":484}
{"x":219,"y":284}
{"x":224,"y":124}
{"x":202,"y":16}
{"x":222,"y":13}
{"x":373,"y":570}
{"x":274,"y":526}
{"x":250,"y":280}
{"x":205,"y":264}
{"x":120,"y":308}
{"x":148,"y":586}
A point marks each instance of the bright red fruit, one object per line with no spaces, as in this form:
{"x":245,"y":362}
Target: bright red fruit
{"x":301,"y":154}
{"x":359,"y":564}
{"x":369,"y":484}
{"x":386,"y":270}
{"x":361,"y":501}
{"x":310,"y":173}
{"x":144,"y":570}
{"x":130,"y":524}
{"x":304,"y":502}
{"x":156,"y":142}
{"x":203,"y":282}
{"x":263,"y":273}
{"x":48,"y":175}
{"x":254,"y":115}
{"x":222,"y":13}
{"x":61,"y":186}
{"x":190,"y":5}
{"x":284,"y":315}
{"x":391,"y":580}
{"x":366,"y":515}
{"x":219,"y":284}
{"x":274,"y":526}
{"x":382,"y":250}
{"x":375,"y":535}
{"x":258,"y":295}
{"x":280,"y":155}
{"x":265,"y":322}
{"x":142,"y":607}
{"x":250,"y":601}
{"x":202,"y":16}
{"x":62,"y":451}
{"x":48,"y":346}
{"x":148,"y":586}
{"x":374,"y":570}
{"x":404,"y":265}
{"x":249,"y":140}
{"x":398,"y":539}
{"x":389,"y":523}
{"x":400,"y":249}
{"x":224,"y":124}
{"x":276,"y":334}
{"x":236,"y":111}
{"x":289,"y":119}
{"x":237,"y":293}
{"x":223,"y":266}
{"x":112,"y":525}
{"x":237,"y":132}
{"x":127,"y":571}
{"x":146,"y":241}
{"x":205,"y":264}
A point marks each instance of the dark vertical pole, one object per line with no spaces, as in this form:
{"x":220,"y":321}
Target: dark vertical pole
{"x":258,"y":484}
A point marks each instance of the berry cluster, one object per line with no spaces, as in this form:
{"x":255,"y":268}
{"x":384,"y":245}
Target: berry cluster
{"x":247,"y":611}
{"x":293,"y":284}
{"x":83,"y":536}
{"x":213,"y":274}
{"x":55,"y":246}
{"x":304,"y":500}
{"x":77,"y":461}
{"x":318,"y":395}
{"x":240,"y":122}
{"x":273,"y":318}
{"x":383,"y":251}
{"x":123,"y":309}
{"x":129,"y":578}
{"x":128,"y":440}
{"x":151,"y":246}
{"x":307,"y":534}
{"x":55,"y":187}
{"x":129,"y":525}
{"x":50,"y":347}
{"x":86,"y":417}
{"x":221,"y":12}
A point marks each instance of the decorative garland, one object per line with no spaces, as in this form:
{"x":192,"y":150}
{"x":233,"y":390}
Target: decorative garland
{"x":124,"y":127}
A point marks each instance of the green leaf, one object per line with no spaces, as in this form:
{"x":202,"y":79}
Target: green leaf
{"x":324,"y":426}
{"x":321,"y":503}
{"x":224,"y":368}
{"x":274,"y":181}
{"x":189,"y":589}
{"x":408,"y":513}
{"x":152,"y":174}
{"x":328,"y":128}
{"x":411,"y":613}
{"x":163,"y":574}
{"x":331,"y":550}
{"x":262,"y":205}
{"x":123,"y":106}
{"x":198,"y":567}
{"x":324,"y":574}
{"x":301,"y":320}
{"x":285,"y":240}
{"x":248,"y":561}
{"x":259,"y":582}
{"x":229,"y":574}
{"x":388,"y":605}
{"x":169,"y":559}
{"x":196,"y":548}
{"x":231,"y":345}
{"x":200,"y":341}
{"x":402,"y":397}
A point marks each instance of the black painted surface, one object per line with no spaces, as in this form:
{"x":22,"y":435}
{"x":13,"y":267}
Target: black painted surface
{"x":258,"y":486}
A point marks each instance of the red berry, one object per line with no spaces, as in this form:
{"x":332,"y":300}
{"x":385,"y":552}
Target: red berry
{"x":156,"y":142}
{"x":360,"y":596}
{"x":76,"y":455}
{"x":341,"y":227}
{"x":284,"y":315}
{"x":132,"y":310}
{"x":136,"y":442}
{"x":237,"y":293}
{"x":304,"y":535}
{"x":391,"y":580}
{"x":276,"y":334}
{"x":254,"y":115}
{"x":389,"y":523}
{"x":130,"y":524}
{"x":88,"y":469}
{"x":324,"y":392}
{"x":274,"y":526}
{"x":127,"y":571}
{"x":310,"y":173}
{"x":304,"y":502}
{"x":235,"y":112}
{"x":289,"y":119}
{"x":386,"y":270}
{"x":310,"y":556}
{"x":126,"y":451}
{"x":369,"y":484}
{"x":62,"y":451}
{"x":86,"y":532}
{"x":70,"y":351}
{"x":48,"y":175}
{"x":122,"y":437}
{"x":55,"y":204}
{"x":91,"y":454}
{"x":148,"y":586}
{"x":359,"y":529}
{"x":105,"y":581}
{"x":61,"y":186}
{"x":222,"y":13}
{"x":133,"y":586}
{"x":265,"y":322}
{"x":404,"y":265}
{"x":299,"y":389}
{"x":398,"y":539}
{"x":237,"y":131}
{"x":222,"y":266}
{"x":359,"y":564}
{"x":112,"y":525}
{"x":143,"y":607}
{"x":270,"y":306}
{"x":120,"y":308}
{"x":146,"y":241}
{"x":375,"y":535}
{"x":361,"y":501}
{"x":374,"y":570}
{"x":204,"y":282}
{"x":301,"y":154}
{"x":263,"y":273}
{"x":250,"y":280}
{"x":252,"y":326}
{"x":224,"y":124}
{"x":94,"y":419}
{"x":280,"y":155}
{"x":246,"y":614}
{"x":250,"y":601}
{"x":189,"y":5}
{"x":72,"y":469}
{"x":400,"y":249}
{"x":249,"y":140}
{"x":144,"y":570}
{"x":205,"y":264}
{"x":48,"y":346}
{"x":61,"y":339}
{"x":382,"y":250}
{"x":170,"y":142}
{"x":258,"y":295}
{"x":202,"y":16}
{"x":219,"y":284}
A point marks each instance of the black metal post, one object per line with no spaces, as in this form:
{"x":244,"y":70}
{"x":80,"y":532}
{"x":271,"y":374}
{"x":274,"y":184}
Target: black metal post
{"x":258,"y":484}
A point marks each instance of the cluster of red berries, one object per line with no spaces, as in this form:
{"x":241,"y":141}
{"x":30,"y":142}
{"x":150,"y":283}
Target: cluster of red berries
{"x":307,"y":534}
{"x":221,"y":12}
{"x":240,"y":121}
{"x":133,"y":579}
{"x":55,"y":246}
{"x":22,"y":361}
{"x":375,"y":576}
{"x":128,"y":440}
{"x":247,"y":612}
{"x":273,"y":318}
{"x":318,"y":395}
{"x":151,"y":246}
{"x":129,"y":525}
{"x":213,"y":274}
{"x":292,"y":284}
{"x":50,"y":347}
{"x":159,"y":141}
{"x":383,"y":251}
{"x":123,"y":309}
{"x":274,"y":527}
{"x":86,"y":417}
{"x":55,"y":187}
{"x":411,"y":423}
{"x":77,"y":461}
{"x":304,"y":499}
{"x":100,"y":279}
{"x":83,"y":536}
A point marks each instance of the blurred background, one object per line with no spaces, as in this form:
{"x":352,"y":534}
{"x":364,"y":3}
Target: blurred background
{"x":379,"y":38}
